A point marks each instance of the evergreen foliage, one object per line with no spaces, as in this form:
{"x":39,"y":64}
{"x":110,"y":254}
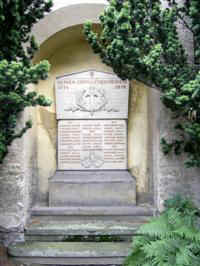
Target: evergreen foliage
{"x":17,"y":48}
{"x":173,"y":238}
{"x":139,"y":40}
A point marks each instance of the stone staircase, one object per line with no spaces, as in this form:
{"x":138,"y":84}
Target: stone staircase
{"x":79,"y":236}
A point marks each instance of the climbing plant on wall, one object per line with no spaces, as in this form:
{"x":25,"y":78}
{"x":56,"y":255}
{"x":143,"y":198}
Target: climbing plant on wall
{"x":17,"y":48}
{"x":140,"y":40}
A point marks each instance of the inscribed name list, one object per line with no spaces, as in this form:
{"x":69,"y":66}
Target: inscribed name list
{"x":91,"y":95}
{"x":89,"y":144}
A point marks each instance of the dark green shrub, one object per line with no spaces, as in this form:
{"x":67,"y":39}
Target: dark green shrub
{"x":17,"y":48}
{"x":139,"y":40}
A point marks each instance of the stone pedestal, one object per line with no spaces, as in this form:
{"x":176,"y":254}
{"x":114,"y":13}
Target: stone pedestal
{"x":92,"y":188}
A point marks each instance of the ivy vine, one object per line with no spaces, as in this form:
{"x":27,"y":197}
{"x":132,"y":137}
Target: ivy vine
{"x":17,"y":49}
{"x":140,"y":40}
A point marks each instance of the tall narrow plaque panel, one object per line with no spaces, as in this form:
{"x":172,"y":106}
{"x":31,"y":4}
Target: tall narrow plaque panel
{"x":91,"y":95}
{"x":89,"y":144}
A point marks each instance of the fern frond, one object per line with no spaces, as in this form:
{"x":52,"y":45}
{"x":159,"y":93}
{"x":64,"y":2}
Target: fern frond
{"x":188,"y":233}
{"x":139,"y":241}
{"x":157,"y":227}
{"x":161,"y":249}
{"x":184,"y":257}
{"x":136,"y":258}
{"x":172,"y":239}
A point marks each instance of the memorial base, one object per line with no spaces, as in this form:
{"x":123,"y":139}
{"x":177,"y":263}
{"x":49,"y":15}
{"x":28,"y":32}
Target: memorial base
{"x":92,"y":188}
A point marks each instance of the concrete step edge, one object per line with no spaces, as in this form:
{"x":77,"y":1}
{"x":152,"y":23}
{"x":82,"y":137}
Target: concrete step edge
{"x":69,"y":261}
{"x":36,"y":227}
{"x":63,"y":238}
{"x":69,"y":249}
{"x":93,"y":210}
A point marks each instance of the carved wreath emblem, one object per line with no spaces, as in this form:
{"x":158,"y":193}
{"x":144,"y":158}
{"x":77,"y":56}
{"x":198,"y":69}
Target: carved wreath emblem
{"x":92,"y":160}
{"x":91,"y":100}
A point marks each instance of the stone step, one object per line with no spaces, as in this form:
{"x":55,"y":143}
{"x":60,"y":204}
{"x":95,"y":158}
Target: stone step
{"x":24,"y":261}
{"x":78,"y":238}
{"x":94,"y":211}
{"x":79,"y":228}
{"x":68,"y":253}
{"x":83,"y":218}
{"x":38,"y":230}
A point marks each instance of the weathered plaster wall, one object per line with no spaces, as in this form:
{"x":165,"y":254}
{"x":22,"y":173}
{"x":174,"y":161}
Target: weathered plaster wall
{"x":68,"y":53}
{"x":138,"y":134}
{"x":16,"y":175}
{"x":173,"y":177}
{"x":12,"y":183}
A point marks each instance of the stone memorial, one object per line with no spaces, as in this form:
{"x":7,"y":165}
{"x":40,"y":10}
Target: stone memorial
{"x":91,"y":95}
{"x":86,"y":144}
{"x":92,"y":113}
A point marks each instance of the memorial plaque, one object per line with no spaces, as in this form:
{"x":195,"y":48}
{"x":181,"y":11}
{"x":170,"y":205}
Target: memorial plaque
{"x":89,"y":144}
{"x":91,"y":95}
{"x":92,"y":113}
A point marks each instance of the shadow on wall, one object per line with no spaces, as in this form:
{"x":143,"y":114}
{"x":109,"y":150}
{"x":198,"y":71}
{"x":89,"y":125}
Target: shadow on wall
{"x":48,"y":122}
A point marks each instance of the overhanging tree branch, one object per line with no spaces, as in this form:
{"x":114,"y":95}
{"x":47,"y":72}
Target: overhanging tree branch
{"x":16,"y":69}
{"x":140,"y":40}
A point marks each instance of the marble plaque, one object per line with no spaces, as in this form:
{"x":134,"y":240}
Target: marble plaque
{"x":89,"y":144}
{"x":91,"y":95}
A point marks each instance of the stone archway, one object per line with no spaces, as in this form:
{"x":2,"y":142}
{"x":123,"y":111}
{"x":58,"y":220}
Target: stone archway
{"x":67,"y":14}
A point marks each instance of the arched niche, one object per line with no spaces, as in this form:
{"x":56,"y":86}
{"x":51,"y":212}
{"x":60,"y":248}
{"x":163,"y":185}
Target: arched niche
{"x":63,"y":44}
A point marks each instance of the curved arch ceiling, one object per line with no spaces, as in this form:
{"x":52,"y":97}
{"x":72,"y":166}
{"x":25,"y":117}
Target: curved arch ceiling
{"x":65,"y":15}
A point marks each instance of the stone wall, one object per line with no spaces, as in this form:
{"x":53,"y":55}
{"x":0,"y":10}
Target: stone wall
{"x":15,"y":184}
{"x":12,"y":183}
{"x":173,"y":177}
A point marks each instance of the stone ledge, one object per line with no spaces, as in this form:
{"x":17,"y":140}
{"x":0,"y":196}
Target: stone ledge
{"x":92,"y":176}
{"x":69,"y":261}
{"x":92,"y":211}
{"x":82,"y":228}
{"x":69,"y":249}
